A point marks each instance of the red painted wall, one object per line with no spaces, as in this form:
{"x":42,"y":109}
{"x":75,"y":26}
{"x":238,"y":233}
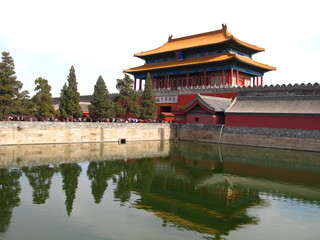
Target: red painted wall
{"x":293,"y":122}
{"x":205,"y":119}
{"x":202,"y":119}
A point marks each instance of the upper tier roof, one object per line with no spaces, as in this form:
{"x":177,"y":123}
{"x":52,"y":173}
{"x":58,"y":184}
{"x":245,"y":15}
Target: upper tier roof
{"x":198,"y":40}
{"x":200,"y":60}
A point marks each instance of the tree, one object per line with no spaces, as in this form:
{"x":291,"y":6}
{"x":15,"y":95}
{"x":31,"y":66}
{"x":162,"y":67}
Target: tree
{"x":43,"y":102}
{"x":64,"y":101}
{"x":26,"y":104}
{"x":9,"y":86}
{"x":70,"y":107}
{"x":101,"y":105}
{"x":128,"y":97}
{"x":148,"y":102}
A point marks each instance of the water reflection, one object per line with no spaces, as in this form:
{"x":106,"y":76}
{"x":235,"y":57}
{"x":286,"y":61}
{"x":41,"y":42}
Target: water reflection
{"x":40,"y":180}
{"x":204,"y":188}
{"x":9,"y":195}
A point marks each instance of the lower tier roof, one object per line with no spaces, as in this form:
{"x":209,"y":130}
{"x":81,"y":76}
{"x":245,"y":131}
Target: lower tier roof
{"x":217,"y":58}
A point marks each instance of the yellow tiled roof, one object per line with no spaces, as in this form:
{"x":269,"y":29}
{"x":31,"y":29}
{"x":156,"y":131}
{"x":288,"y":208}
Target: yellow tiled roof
{"x":203,"y":39}
{"x":254,"y":63}
{"x":199,"y":60}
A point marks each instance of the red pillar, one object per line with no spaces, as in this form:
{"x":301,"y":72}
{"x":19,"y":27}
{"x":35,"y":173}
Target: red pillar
{"x":140,"y":84}
{"x":135,"y":84}
{"x":171,"y":83}
{"x":237,"y":77}
{"x":188,"y":78}
{"x":223,"y":78}
{"x":261,"y":80}
{"x":205,"y":78}
{"x":231,"y":76}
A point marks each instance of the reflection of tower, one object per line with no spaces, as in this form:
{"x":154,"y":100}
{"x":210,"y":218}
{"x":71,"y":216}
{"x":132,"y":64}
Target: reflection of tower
{"x":186,"y":193}
{"x":230,"y":193}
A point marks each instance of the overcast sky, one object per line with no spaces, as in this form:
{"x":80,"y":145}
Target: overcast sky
{"x":99,"y":37}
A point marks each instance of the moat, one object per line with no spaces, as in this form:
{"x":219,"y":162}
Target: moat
{"x":158,"y":190}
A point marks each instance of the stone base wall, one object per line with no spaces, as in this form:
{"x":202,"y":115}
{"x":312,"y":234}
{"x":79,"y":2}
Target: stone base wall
{"x":307,"y":140}
{"x":36,"y":155}
{"x":12,"y":133}
{"x":15,"y":133}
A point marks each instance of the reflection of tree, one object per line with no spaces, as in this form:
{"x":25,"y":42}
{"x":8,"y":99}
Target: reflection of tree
{"x":70,"y":173}
{"x":40,"y":180}
{"x":145,"y":177}
{"x":9,"y":195}
{"x":134,"y":175}
{"x":99,"y":173}
{"x":125,"y":182}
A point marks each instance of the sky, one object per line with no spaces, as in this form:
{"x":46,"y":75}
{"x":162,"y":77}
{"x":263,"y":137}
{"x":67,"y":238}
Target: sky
{"x":99,"y":37}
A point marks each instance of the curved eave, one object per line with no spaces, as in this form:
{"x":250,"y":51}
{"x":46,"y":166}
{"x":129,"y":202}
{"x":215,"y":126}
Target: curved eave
{"x":166,"y":48}
{"x":199,"y":60}
{"x":199,"y":40}
{"x":186,"y":62}
{"x":252,"y":47}
{"x":254,"y":63}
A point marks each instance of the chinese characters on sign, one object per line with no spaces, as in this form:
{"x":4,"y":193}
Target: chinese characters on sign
{"x":167,"y":99}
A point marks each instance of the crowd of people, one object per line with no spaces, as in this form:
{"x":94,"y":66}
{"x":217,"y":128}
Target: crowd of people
{"x":80,"y":119}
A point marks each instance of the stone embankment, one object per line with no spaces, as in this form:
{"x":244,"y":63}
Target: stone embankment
{"x":45,"y":154}
{"x":80,"y":132}
{"x":15,"y":133}
{"x":296,"y":139}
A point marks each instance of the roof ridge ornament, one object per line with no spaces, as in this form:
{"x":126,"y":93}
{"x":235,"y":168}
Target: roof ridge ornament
{"x":169,"y":38}
{"x":224,"y":28}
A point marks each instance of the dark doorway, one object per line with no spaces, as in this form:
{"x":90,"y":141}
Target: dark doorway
{"x":165,"y":109}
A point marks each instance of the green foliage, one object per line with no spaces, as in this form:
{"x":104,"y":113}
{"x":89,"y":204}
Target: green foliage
{"x":70,"y":173}
{"x":43,"y":102}
{"x":26,"y":104}
{"x":101,"y":105}
{"x":128,"y":97}
{"x":148,"y":102}
{"x":119,"y":111}
{"x":9,"y":195}
{"x":70,"y":97}
{"x":64,"y":101}
{"x":9,"y":86}
{"x":40,"y":180}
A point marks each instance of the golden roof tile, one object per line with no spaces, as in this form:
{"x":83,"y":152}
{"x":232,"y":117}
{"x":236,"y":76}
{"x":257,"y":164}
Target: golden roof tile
{"x":203,"y":39}
{"x":199,"y":60}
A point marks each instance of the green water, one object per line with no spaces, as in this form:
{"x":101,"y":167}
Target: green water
{"x":184,"y":191}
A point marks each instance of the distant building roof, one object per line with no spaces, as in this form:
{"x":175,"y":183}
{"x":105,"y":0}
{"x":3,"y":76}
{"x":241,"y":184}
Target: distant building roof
{"x":209,"y":103}
{"x":198,"y":40}
{"x":275,"y":106}
{"x":278,"y":101}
